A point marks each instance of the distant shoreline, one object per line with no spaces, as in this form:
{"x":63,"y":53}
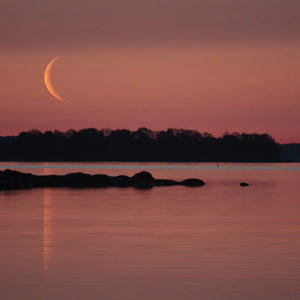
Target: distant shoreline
{"x":144,"y":145}
{"x":139,"y":166}
{"x":147,"y":161}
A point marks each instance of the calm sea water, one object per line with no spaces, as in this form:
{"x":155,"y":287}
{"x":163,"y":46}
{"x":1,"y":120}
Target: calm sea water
{"x":219,"y":241}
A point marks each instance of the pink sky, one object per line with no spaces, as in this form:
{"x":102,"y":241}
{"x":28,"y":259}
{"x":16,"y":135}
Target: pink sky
{"x":127,"y":64}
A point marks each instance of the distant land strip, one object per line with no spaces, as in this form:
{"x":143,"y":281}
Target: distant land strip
{"x":143,"y":145}
{"x":152,"y":166}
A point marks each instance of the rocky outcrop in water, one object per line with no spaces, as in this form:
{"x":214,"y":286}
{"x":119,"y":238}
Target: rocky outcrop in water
{"x":10,"y":179}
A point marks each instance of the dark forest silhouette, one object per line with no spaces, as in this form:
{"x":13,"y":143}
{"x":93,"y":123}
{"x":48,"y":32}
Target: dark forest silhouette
{"x":140,"y":145}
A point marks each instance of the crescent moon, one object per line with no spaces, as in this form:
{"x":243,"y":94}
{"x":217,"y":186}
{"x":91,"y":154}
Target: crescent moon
{"x":48,"y":82}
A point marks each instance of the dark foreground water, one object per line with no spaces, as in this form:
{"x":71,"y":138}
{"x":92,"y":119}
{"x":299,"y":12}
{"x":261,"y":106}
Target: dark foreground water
{"x":219,"y":241}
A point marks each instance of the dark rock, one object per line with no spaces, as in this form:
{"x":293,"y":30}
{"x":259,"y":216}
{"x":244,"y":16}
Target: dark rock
{"x":143,"y":180}
{"x":77,"y":180}
{"x":121,"y":181}
{"x":244,"y":184}
{"x":10,"y":179}
{"x":193,"y":182}
{"x":165,"y":182}
{"x":143,"y":176}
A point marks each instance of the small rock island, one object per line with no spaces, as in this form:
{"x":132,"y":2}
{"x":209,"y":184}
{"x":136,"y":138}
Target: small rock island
{"x":10,"y":180}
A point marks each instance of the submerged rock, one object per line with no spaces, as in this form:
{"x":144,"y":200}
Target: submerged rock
{"x":10,"y":179}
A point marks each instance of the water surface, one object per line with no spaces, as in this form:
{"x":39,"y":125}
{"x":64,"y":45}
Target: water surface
{"x":219,"y":241}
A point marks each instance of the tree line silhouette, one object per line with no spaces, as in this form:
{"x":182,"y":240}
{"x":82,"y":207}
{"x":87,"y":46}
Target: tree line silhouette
{"x":141,"y":145}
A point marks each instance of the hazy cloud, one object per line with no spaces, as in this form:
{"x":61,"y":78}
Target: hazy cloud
{"x":36,"y":23}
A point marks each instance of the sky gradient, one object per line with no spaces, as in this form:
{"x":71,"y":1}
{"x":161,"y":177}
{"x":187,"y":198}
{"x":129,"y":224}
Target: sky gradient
{"x":210,"y":65}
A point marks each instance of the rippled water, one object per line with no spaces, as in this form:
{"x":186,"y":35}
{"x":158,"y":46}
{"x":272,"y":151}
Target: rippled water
{"x":219,"y":241}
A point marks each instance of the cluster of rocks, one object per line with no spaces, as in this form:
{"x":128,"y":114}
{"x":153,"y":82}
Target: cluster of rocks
{"x":10,"y":179}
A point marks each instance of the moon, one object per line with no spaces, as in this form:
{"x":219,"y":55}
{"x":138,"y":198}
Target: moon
{"x":48,"y":83}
